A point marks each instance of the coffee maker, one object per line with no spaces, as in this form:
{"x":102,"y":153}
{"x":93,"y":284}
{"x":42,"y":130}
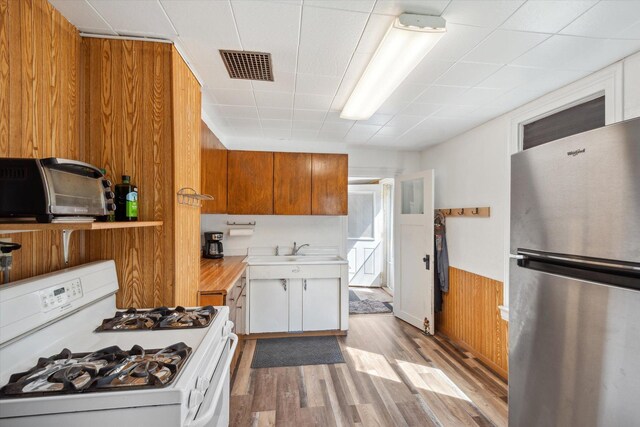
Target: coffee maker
{"x":213,"y":245}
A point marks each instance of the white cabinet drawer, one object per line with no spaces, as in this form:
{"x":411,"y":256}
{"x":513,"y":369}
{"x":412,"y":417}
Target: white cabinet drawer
{"x":294,"y":271}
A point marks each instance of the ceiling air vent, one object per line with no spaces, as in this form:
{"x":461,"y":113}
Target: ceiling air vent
{"x":248,"y":65}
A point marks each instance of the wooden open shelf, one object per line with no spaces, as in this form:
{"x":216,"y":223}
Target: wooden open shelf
{"x":34,"y":226}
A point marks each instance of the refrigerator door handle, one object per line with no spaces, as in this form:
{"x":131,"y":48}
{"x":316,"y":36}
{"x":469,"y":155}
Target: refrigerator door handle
{"x":593,"y":263}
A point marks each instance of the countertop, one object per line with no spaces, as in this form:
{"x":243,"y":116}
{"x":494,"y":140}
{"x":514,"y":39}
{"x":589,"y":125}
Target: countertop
{"x":217,"y":276}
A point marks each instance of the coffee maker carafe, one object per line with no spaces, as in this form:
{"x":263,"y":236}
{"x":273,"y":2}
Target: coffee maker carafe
{"x":213,"y":244}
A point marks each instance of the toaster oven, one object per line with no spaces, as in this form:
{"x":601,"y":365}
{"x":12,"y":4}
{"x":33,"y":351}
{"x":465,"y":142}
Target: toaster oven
{"x":47,"y":188}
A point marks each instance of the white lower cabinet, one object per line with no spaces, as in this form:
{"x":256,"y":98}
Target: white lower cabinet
{"x":320,"y":304}
{"x":268,"y":305}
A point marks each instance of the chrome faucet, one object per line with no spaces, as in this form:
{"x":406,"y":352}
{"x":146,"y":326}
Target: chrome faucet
{"x":297,"y":248}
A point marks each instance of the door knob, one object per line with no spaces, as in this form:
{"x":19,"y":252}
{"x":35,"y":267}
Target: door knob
{"x":426,"y":261}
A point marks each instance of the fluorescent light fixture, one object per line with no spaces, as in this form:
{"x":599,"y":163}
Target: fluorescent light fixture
{"x":406,"y":43}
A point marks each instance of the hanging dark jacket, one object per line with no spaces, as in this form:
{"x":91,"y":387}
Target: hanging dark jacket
{"x":441,"y":263}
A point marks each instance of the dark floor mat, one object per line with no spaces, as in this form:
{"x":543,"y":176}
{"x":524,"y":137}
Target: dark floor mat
{"x":368,"y":306}
{"x":276,"y":352}
{"x":353,"y":296}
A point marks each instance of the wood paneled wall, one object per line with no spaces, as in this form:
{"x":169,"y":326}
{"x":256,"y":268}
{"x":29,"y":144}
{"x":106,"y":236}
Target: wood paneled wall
{"x":186,"y":162}
{"x":470,"y":316}
{"x":39,"y":110}
{"x":128,"y":131}
{"x":213,"y":167}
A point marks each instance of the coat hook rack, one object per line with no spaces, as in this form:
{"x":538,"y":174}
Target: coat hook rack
{"x":477,"y":212}
{"x":250,"y":223}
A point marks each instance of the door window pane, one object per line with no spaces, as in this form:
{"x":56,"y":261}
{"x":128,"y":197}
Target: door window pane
{"x":361,"y":215}
{"x":412,"y":196}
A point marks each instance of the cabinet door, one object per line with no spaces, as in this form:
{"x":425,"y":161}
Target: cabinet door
{"x":268,"y":306}
{"x":292,"y":183}
{"x":213,"y":177}
{"x":250,"y":182}
{"x":329,"y":176}
{"x":321,"y":304}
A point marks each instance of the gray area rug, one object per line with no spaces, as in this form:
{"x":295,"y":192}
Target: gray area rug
{"x":367,"y":306}
{"x":276,"y":352}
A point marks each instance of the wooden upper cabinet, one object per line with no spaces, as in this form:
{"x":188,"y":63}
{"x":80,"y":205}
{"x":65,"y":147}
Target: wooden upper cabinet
{"x":213,"y":174}
{"x":250,"y":182}
{"x":292,"y":183}
{"x":329,"y":176}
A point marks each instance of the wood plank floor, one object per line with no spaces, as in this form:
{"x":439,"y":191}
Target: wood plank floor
{"x":393,"y":376}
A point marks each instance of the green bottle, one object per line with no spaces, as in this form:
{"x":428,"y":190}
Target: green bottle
{"x":126,"y":200}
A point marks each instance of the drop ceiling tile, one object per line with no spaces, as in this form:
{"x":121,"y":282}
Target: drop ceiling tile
{"x":537,"y":16}
{"x":304,"y":135}
{"x":317,"y":85}
{"x":334,"y":116}
{"x":141,"y":17}
{"x":309,"y":115}
{"x":233,"y":97}
{"x":397,"y":7}
{"x":377,"y":119}
{"x":503,"y":46}
{"x":204,"y":27}
{"x":379,"y":140}
{"x":441,"y":95}
{"x":217,"y":77}
{"x":276,"y":124}
{"x":479,"y":96}
{"x":455,"y":111}
{"x":390,"y":132}
{"x":428,"y":71}
{"x":481,"y":13}
{"x":606,"y":19}
{"x":332,"y":135}
{"x":351,"y":5}
{"x":424,"y":110}
{"x":510,"y":77}
{"x":467,"y":74}
{"x":275,"y":113}
{"x":633,"y":32}
{"x":83,"y":16}
{"x":458,"y":41}
{"x":336,"y":126}
{"x":256,"y":21}
{"x":328,"y":38}
{"x":244,"y":123}
{"x":307,"y":125}
{"x":237,"y":111}
{"x":280,"y":134}
{"x":361,"y":133}
{"x":563,"y":53}
{"x":274,"y":99}
{"x":306,"y":101}
{"x":405,"y":122}
{"x":282,"y":82}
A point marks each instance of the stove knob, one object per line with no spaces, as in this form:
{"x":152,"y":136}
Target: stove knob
{"x":202,"y":384}
{"x":195,"y":398}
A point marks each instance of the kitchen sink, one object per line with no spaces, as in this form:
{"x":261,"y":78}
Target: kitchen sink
{"x":294,"y":259}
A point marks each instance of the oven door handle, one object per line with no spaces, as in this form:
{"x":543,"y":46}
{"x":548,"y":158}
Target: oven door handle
{"x":204,"y":418}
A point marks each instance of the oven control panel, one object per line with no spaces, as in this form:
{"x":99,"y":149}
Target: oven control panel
{"x":61,"y":294}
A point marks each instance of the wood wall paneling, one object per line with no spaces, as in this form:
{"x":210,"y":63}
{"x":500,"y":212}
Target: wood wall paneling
{"x":186,"y":155}
{"x":292,"y":183}
{"x":39,"y":111}
{"x":471,"y":317}
{"x":250,"y":182}
{"x":213,"y":172}
{"x":329,"y":184}
{"x":128,"y":128}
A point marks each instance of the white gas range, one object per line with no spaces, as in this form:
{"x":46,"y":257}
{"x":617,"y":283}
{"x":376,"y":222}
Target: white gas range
{"x":42,"y":316}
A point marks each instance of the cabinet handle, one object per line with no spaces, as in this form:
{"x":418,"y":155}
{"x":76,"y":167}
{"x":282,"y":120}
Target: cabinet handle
{"x":284,"y":283}
{"x":305,"y":284}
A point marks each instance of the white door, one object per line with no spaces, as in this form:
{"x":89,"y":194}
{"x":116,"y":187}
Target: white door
{"x":268,"y":306}
{"x":413,"y":287}
{"x":321,"y":304}
{"x":365,"y":250}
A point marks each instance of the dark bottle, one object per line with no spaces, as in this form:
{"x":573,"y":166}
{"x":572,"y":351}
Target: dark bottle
{"x":126,"y":200}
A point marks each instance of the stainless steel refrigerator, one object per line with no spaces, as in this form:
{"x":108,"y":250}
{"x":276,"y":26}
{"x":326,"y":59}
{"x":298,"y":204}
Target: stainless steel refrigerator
{"x":574,"y":282}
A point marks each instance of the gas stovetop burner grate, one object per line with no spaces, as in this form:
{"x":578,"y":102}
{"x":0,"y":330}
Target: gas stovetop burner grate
{"x":159,"y":318}
{"x":105,"y":370}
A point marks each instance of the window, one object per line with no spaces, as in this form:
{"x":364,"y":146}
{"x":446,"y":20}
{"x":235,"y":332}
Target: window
{"x":579,"y":118}
{"x":361,"y":215}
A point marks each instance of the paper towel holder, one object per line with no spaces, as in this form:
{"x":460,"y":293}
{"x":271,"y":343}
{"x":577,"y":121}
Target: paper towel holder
{"x":250,"y":223}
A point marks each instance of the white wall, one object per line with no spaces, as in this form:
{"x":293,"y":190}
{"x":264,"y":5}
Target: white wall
{"x":473,"y":169}
{"x":272,"y":230}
